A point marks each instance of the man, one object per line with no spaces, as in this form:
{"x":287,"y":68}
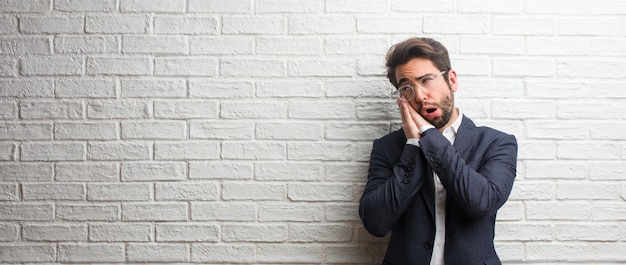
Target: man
{"x":438,"y":182}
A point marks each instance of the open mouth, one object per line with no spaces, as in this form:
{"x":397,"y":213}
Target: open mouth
{"x":431,"y":110}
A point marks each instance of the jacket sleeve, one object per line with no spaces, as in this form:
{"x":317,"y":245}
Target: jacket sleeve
{"x":390,"y":188}
{"x":480,"y":190}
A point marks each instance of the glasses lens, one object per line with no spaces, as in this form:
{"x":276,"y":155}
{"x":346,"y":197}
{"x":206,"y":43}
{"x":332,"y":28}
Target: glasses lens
{"x":405,"y":92}
{"x":428,"y":82}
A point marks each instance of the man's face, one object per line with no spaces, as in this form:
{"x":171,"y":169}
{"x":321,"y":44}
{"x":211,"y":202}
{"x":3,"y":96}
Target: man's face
{"x":434,"y":102}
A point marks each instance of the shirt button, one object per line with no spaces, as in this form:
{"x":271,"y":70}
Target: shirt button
{"x":428,"y":245}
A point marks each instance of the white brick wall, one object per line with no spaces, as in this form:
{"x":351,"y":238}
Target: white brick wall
{"x":230,"y":132}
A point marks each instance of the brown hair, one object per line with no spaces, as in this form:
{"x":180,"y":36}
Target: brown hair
{"x":403,"y":52}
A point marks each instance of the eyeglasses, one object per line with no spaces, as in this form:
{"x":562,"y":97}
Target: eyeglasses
{"x":426,"y":83}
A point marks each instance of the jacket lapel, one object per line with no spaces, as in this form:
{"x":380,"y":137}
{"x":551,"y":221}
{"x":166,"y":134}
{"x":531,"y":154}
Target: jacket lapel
{"x":464,"y":142}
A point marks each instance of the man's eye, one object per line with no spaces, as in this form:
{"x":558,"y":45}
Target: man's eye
{"x":427,"y":79}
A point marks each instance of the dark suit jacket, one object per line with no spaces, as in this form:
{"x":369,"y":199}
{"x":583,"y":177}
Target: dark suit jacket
{"x":477,"y":172}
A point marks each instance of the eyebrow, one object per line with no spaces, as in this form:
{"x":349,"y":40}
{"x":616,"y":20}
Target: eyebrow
{"x":403,"y":79}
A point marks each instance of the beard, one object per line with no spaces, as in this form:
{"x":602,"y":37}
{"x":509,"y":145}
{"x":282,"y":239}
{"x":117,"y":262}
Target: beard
{"x":446,"y":106}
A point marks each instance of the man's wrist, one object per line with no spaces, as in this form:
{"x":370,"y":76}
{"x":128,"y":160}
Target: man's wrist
{"x":426,"y":127}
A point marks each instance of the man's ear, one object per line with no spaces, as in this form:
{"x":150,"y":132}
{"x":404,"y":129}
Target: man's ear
{"x":452,"y":81}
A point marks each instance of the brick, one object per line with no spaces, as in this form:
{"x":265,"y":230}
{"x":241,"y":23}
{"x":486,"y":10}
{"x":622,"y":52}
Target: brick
{"x":157,"y":6}
{"x":574,"y":252}
{"x":283,"y":171}
{"x":609,"y":211}
{"x":321,"y":67}
{"x":124,"y":232}
{"x":147,"y":171}
{"x":608,"y":47}
{"x":355,"y":46}
{"x":26,"y":212}
{"x":577,"y":7}
{"x":154,"y":45}
{"x":31,"y":6}
{"x":217,"y":89}
{"x":528,"y":109}
{"x":564,"y":130}
{"x":10,"y":45}
{"x":253,"y":150}
{"x":288,"y":131}
{"x":254,"y":233}
{"x":289,"y":46}
{"x":377,"y":110}
{"x":595,"y":69}
{"x":52,"y":151}
{"x":187,"y":191}
{"x":46,"y":66}
{"x":125,"y":66}
{"x":356,"y":131}
{"x":491,"y":6}
{"x":346,"y":171}
{"x":153,"y":88}
{"x":385,"y":25}
{"x":25,"y":131}
{"x":113,"y":109}
{"x":8,"y":24}
{"x":493,"y":45}
{"x":510,"y":251}
{"x":89,"y":6}
{"x":289,"y":89}
{"x":201,"y":45}
{"x":518,"y":25}
{"x":557,"y":89}
{"x":119,"y":192}
{"x":220,"y":170}
{"x":599,"y":150}
{"x":253,"y":110}
{"x":524,"y":232}
{"x":9,"y":192}
{"x":586,"y":232}
{"x":188,"y":150}
{"x":185,"y":109}
{"x":93,"y":252}
{"x":87,"y":172}
{"x":118,"y":151}
{"x":219,"y":211}
{"x":534,"y":190}
{"x":160,"y":130}
{"x":607,"y":89}
{"x":26,"y":172}
{"x":359,"y":89}
{"x":55,"y":233}
{"x":8,"y":232}
{"x":85,"y":131}
{"x":8,"y":67}
{"x":609,"y":132}
{"x":511,"y":211}
{"x":217,"y":6}
{"x":551,"y":46}
{"x":328,"y":151}
{"x":51,"y":110}
{"x":187,"y":232}
{"x":85,"y":88}
{"x":88,"y":212}
{"x":559,"y":170}
{"x":293,"y":212}
{"x":252,"y":68}
{"x":360,"y":254}
{"x":524,"y":67}
{"x":52,"y":24}
{"x":253,"y":191}
{"x":545,"y":150}
{"x":356,"y":6}
{"x":558,"y":210}
{"x":185,"y":66}
{"x":190,"y":25}
{"x":53,"y":191}
{"x":288,"y":253}
{"x":608,"y":7}
{"x":340,"y":212}
{"x":606,"y":170}
{"x":27,"y":252}
{"x":235,"y":253}
{"x":320,"y":233}
{"x":253,"y":25}
{"x":154,"y":212}
{"x":158,"y":253}
{"x":599,"y":26}
{"x":315,"y":109}
{"x":324,"y":24}
{"x":300,"y":6}
{"x":321,"y":192}
{"x":457,"y":24}
{"x":111,"y":24}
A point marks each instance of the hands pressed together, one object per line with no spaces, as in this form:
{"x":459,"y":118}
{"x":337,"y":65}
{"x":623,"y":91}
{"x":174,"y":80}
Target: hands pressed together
{"x":411,"y":120}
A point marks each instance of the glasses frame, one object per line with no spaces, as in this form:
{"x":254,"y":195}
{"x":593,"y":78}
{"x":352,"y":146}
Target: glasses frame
{"x":397,"y":93}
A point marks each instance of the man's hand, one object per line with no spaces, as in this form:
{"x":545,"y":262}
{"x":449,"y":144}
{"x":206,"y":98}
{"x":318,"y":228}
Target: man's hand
{"x":411,"y":120}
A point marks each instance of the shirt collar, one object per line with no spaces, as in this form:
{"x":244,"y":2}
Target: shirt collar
{"x":457,"y":123}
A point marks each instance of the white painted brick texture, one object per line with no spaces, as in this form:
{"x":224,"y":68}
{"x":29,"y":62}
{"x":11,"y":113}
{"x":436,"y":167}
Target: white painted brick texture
{"x":239,"y":132}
